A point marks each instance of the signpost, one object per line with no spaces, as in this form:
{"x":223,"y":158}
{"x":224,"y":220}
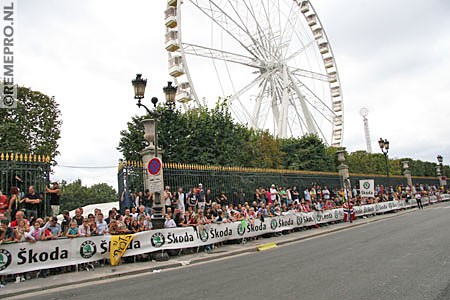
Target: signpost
{"x":154,"y":179}
{"x":154,"y":166}
{"x":367,"y":188}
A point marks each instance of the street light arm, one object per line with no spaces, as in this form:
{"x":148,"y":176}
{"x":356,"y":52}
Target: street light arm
{"x":139,"y":104}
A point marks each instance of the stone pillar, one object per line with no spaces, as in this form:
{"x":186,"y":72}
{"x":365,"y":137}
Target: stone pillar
{"x":345,"y":179}
{"x":408,"y":177}
{"x":153,"y":182}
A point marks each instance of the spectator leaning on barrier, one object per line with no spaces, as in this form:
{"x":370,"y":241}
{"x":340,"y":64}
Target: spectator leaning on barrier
{"x":19,"y":217}
{"x":8,"y":234}
{"x":35,"y":233}
{"x":72,"y":231}
{"x":102,"y":226}
{"x":54,"y":227}
{"x":169,"y":222}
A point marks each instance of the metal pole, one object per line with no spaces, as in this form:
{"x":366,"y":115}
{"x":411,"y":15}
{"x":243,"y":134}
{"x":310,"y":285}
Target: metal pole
{"x":387,"y":171}
{"x":156,"y":136}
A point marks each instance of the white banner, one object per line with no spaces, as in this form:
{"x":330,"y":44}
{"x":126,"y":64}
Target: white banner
{"x":367,"y":188}
{"x":25,"y":257}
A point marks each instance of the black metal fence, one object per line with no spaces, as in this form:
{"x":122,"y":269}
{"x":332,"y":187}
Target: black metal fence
{"x":235,"y":181}
{"x":23,"y":170}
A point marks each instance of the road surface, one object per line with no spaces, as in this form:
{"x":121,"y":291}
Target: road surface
{"x":406,"y":257}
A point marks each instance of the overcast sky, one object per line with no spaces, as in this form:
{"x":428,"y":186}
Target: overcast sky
{"x":393,"y":58}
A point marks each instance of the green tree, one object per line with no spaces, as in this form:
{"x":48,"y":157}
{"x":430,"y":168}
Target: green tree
{"x":201,"y":136}
{"x":265,"y":150}
{"x":75,"y":195}
{"x":306,"y":153}
{"x":33,"y":127}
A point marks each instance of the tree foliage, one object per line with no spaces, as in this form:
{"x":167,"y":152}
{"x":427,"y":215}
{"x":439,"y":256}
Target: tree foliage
{"x":33,"y":127}
{"x":211,"y":137}
{"x":75,"y":195}
{"x":306,"y":153}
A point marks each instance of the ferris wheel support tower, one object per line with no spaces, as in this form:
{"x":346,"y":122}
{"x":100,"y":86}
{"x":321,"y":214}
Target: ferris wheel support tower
{"x":364,"y":113}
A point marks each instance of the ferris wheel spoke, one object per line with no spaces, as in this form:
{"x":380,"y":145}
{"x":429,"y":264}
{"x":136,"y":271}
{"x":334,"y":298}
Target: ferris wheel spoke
{"x":216,"y":54}
{"x":260,"y":45}
{"x":308,"y":116}
{"x":244,"y":110}
{"x":246,"y":88}
{"x":288,"y":27}
{"x":301,"y":121}
{"x":292,"y":101}
{"x":258,"y":104}
{"x":320,"y":131}
{"x":298,"y":52}
{"x":229,"y":25}
{"x":317,"y":101}
{"x":310,"y":74}
{"x":268,"y":40}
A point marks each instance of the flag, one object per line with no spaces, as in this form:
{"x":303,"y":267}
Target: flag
{"x":119,"y":244}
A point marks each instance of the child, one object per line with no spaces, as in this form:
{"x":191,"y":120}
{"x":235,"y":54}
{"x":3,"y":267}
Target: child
{"x":35,"y":233}
{"x":22,"y":229}
{"x":72,"y":232}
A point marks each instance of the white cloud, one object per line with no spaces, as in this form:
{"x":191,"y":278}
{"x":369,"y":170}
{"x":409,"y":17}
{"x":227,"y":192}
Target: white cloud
{"x":392,"y":57}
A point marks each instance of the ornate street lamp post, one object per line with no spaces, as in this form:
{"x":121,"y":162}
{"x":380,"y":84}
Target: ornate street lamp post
{"x":154,"y":181}
{"x":384,"y":146}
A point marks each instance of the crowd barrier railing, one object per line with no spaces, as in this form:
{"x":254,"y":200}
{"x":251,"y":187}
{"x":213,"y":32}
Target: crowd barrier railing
{"x":25,"y":257}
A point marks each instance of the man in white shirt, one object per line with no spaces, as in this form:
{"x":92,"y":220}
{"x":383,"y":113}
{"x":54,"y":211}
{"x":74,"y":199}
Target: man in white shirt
{"x":181,"y":200}
{"x":102,"y":226}
{"x":167,"y":197}
{"x":273,"y":193}
{"x":326,"y":193}
{"x":169,"y":223}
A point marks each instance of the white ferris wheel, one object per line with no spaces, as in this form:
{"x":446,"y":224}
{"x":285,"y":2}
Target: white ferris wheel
{"x":270,"y":58}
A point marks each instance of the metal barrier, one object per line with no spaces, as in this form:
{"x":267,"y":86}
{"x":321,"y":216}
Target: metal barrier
{"x":23,"y":170}
{"x":237,"y":182}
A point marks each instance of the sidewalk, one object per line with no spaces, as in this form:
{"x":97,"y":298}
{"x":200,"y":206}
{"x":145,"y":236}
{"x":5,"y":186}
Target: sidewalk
{"x":107,"y":272}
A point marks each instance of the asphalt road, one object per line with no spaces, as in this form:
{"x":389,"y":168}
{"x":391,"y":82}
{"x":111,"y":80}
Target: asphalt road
{"x":407,"y":257}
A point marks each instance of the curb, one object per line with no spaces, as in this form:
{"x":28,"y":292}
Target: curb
{"x":205,"y":259}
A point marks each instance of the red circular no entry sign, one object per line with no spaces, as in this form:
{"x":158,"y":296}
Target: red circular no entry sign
{"x":154,"y":166}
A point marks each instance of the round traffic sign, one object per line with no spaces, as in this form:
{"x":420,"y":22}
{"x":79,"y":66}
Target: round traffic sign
{"x":154,"y":166}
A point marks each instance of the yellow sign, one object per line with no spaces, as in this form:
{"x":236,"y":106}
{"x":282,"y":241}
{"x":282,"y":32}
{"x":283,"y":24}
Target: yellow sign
{"x":119,"y":244}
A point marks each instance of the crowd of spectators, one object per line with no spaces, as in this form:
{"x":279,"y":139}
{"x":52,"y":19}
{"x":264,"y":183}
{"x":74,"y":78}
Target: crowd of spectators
{"x":21,"y":222}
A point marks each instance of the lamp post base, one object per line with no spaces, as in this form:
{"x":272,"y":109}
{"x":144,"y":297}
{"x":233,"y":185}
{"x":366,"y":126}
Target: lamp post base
{"x":160,"y":256}
{"x":158,"y":223}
